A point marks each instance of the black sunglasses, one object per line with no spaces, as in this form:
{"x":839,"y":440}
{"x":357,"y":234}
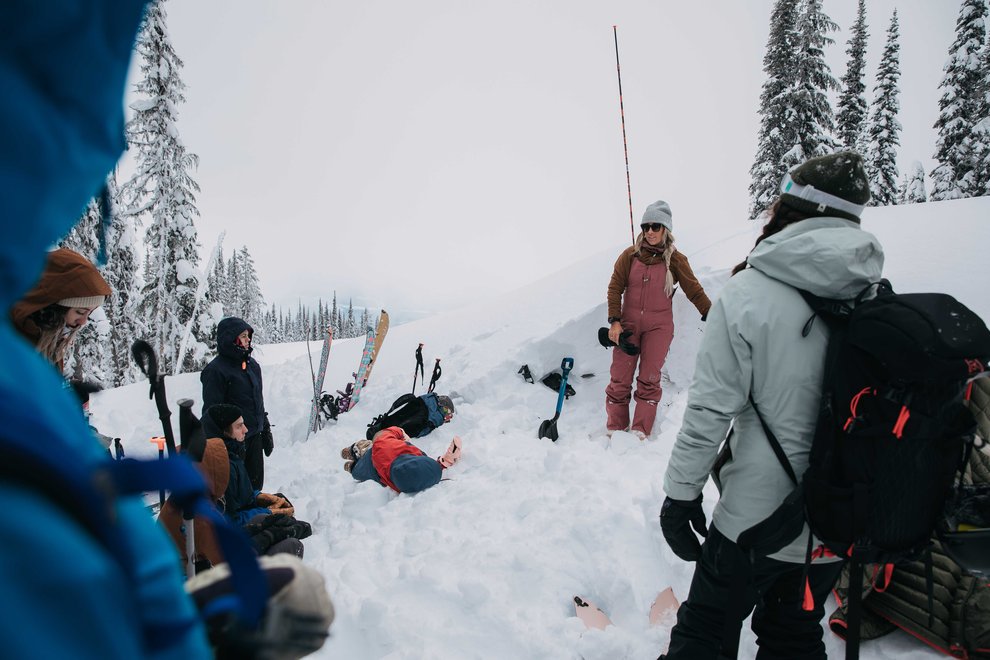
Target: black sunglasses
{"x":655,"y":227}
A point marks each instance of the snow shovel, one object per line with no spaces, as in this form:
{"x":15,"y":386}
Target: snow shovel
{"x":548,"y":429}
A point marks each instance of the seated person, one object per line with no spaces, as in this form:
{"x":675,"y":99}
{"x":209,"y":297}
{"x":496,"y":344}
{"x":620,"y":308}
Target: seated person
{"x":267,"y":518}
{"x":393,"y":461}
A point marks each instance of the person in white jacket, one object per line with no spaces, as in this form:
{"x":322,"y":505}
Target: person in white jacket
{"x":755,"y":354}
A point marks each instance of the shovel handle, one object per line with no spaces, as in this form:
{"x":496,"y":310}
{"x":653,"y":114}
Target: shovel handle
{"x":565,"y":367}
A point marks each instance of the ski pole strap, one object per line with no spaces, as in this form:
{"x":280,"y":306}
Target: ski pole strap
{"x":188,"y":490}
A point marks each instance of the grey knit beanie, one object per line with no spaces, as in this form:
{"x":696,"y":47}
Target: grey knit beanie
{"x":835,"y":185}
{"x":659,"y":211}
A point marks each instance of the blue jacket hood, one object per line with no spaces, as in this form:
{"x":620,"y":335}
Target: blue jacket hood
{"x":61,"y":122}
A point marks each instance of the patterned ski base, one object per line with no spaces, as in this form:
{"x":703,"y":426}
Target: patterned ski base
{"x":373,"y":345}
{"x":315,"y":421}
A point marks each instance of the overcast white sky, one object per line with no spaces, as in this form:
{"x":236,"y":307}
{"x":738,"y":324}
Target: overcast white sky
{"x":375,"y":147}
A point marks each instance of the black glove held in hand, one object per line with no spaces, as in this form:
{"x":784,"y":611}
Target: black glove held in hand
{"x":677,"y":517}
{"x":267,"y":441}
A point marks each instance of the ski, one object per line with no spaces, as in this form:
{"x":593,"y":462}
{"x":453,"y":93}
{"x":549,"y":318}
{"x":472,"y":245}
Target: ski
{"x":592,"y":616}
{"x":315,"y":421}
{"x":373,"y":345}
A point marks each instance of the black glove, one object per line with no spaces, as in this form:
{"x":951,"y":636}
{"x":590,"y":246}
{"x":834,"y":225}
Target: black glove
{"x":677,"y":517}
{"x":267,"y":441}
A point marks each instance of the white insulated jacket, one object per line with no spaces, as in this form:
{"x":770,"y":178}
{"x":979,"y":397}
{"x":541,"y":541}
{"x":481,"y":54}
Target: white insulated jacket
{"x":753,"y":346}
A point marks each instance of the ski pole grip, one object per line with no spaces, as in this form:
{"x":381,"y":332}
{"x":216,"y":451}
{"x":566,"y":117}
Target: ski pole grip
{"x":160,"y":441}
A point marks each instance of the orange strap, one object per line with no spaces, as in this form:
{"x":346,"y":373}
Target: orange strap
{"x":901,"y":421}
{"x":853,"y":404}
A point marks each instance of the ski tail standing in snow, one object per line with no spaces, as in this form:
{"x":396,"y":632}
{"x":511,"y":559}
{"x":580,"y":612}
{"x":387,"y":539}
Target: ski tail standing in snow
{"x":314,"y":413}
{"x":372,"y":346}
{"x":64,"y":69}
{"x":760,"y":368}
{"x":234,"y":377}
{"x":639,"y":302}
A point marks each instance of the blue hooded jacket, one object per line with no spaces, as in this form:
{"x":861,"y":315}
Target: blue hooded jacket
{"x":63,"y":65}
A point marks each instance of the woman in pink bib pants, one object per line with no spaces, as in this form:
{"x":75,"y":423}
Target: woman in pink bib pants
{"x":639,"y":301}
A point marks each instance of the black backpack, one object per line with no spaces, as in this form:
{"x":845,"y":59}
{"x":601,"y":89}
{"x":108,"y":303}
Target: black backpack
{"x":892,"y":432}
{"x":416,"y":415}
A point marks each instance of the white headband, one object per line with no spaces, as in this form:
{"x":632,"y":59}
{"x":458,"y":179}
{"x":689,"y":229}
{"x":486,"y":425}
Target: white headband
{"x":816,"y":196}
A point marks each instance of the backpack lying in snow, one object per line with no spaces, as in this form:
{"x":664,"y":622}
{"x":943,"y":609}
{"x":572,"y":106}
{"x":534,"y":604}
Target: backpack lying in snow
{"x":892,"y":432}
{"x":416,"y":415}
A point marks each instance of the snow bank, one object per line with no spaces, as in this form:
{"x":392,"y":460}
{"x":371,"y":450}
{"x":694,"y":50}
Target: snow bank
{"x":486,"y":564}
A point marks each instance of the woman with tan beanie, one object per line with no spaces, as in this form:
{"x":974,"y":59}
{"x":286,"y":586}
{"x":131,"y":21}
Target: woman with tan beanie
{"x":51,"y":313}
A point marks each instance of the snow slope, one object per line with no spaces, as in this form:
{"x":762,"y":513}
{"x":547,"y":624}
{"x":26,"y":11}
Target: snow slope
{"x":485,"y":565}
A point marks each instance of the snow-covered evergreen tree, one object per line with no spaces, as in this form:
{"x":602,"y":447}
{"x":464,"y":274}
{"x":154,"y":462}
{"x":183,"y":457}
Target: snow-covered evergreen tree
{"x":852,"y":109}
{"x":883,"y":131}
{"x":231,"y":296}
{"x":777,"y":132}
{"x":122,"y":307}
{"x":84,"y":235}
{"x":87,"y":360}
{"x":814,"y":119}
{"x":979,"y":141}
{"x":250,"y":302}
{"x":163,"y":190}
{"x":913,"y":186}
{"x":962,"y":84}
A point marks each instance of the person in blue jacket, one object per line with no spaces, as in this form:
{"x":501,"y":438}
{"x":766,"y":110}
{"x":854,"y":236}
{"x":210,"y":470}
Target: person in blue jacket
{"x":63,"y":66}
{"x":234,"y":377}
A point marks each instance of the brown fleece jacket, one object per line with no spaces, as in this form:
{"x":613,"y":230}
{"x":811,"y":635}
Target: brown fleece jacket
{"x":679,"y":267}
{"x":216,"y":471}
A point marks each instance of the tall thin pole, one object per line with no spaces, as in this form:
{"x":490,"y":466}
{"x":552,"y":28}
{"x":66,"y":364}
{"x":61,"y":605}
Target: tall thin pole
{"x":625,"y":148}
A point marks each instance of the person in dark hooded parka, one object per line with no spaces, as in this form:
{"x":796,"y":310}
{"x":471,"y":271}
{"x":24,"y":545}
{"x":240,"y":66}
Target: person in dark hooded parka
{"x":234,"y":378}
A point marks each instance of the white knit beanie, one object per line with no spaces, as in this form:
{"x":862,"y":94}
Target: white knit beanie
{"x":87,"y":302}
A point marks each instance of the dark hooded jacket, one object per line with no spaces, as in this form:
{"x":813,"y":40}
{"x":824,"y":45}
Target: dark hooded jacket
{"x":233,"y":377}
{"x":239,"y":499}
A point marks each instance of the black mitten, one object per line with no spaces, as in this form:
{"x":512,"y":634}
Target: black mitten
{"x":677,"y":517}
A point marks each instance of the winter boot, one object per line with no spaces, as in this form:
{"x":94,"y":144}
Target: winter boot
{"x":453,"y":453}
{"x":355,"y":451}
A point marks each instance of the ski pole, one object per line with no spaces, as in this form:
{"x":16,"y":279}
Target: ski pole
{"x":160,"y":441}
{"x":144,"y":355}
{"x":436,"y":375}
{"x":625,"y":148}
{"x":418,"y":369}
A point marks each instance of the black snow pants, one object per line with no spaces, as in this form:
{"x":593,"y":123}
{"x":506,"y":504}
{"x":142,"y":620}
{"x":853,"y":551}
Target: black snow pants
{"x":783,"y":629}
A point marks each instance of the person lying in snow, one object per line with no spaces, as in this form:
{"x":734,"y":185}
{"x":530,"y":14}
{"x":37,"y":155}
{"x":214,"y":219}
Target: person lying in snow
{"x":416,"y":415}
{"x":393,"y":461}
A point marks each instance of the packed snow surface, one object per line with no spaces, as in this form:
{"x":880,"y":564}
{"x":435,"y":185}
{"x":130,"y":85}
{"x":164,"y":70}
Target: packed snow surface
{"x":486,"y":564}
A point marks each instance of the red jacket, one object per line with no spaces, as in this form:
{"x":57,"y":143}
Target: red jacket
{"x":390,"y":444}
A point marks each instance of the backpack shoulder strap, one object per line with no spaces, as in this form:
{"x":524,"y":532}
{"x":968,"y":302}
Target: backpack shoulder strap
{"x":774,"y":444}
